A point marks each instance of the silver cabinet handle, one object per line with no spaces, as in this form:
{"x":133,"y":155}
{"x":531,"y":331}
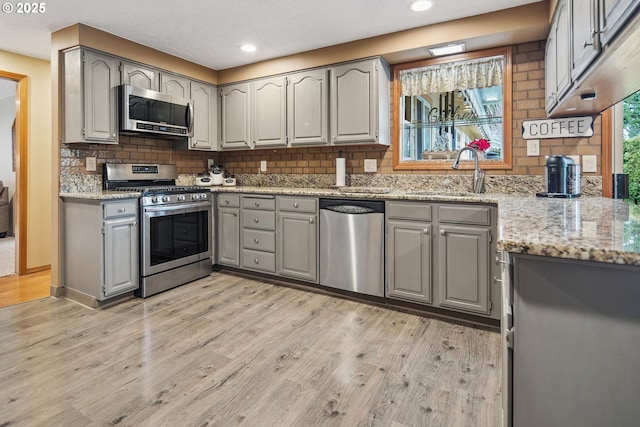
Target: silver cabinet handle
{"x":256,"y":241}
{"x":425,"y":231}
{"x":442,"y":232}
{"x":235,"y":214}
{"x":256,"y":261}
{"x":257,"y":204}
{"x":122,"y":210}
{"x":256,"y":220}
{"x":295,"y":205}
{"x":226,"y":201}
{"x":310,"y":220}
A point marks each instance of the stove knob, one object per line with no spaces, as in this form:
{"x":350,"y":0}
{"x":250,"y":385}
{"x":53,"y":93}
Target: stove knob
{"x":195,"y":196}
{"x":154,"y":199}
{"x":203,"y":196}
{"x":182,"y":197}
{"x":166,"y":199}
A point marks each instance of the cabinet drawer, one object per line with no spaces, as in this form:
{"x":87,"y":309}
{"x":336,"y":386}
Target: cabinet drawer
{"x":480,"y":215}
{"x":123,"y":208}
{"x":259,"y":203}
{"x":262,"y":220}
{"x":407,"y":210}
{"x":298,"y":204}
{"x":228,"y":200}
{"x":256,"y":260}
{"x":260,"y":240}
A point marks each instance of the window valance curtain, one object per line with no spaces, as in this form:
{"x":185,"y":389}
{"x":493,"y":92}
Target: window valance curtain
{"x":461,"y":75}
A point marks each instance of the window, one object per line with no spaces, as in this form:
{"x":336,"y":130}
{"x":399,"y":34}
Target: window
{"x":441,"y":105}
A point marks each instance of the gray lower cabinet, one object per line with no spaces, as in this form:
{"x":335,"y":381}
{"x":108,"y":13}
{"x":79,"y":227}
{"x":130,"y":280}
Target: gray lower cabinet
{"x":258,"y":233}
{"x":228,"y":227}
{"x":90,"y":107}
{"x":409,"y":265}
{"x":442,"y":255}
{"x":464,"y":267}
{"x":297,"y":236}
{"x":101,"y":248}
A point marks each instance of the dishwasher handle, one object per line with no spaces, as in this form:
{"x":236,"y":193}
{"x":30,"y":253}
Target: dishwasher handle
{"x":350,"y":209}
{"x":344,"y":206}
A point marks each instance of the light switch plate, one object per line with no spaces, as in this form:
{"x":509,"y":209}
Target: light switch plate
{"x":590,"y":163}
{"x":91,"y":164}
{"x":575,"y":158}
{"x":533,"y":147}
{"x":263,"y":165}
{"x":370,"y":165}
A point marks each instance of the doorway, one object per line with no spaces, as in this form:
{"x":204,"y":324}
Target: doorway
{"x":13,"y":172}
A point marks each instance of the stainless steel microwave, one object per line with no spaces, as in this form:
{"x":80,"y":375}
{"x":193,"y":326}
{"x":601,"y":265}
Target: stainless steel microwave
{"x":150,"y":112}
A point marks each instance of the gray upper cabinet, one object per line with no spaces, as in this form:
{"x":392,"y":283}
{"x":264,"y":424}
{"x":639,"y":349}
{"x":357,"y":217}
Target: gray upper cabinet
{"x":205,"y":121}
{"x":360,"y":102}
{"x":269,"y":108}
{"x":175,"y":85}
{"x":464,"y":267}
{"x":90,"y":89}
{"x":234,"y":116}
{"x":585,"y":43}
{"x":140,"y":76}
{"x":558,"y":56}
{"x":297,"y":236}
{"x":308,"y":108}
{"x":613,"y":15}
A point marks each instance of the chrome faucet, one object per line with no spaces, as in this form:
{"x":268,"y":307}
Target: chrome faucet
{"x":477,"y":186}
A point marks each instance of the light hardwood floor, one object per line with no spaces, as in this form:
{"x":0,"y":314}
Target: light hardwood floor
{"x":16,"y":289}
{"x":227,"y":351}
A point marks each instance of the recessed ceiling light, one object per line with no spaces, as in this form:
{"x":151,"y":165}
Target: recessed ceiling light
{"x":447,"y":50}
{"x":421,"y":5}
{"x":248,"y":48}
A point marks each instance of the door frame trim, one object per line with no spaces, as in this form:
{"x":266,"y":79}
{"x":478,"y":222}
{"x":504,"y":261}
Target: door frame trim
{"x":22,"y":145}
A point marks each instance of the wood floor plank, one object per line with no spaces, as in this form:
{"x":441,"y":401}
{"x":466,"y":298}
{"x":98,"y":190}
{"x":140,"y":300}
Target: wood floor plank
{"x":16,"y":289}
{"x":227,"y":350}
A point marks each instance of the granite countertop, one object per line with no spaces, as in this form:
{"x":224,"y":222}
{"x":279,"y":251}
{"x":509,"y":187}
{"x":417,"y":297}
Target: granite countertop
{"x":100,"y":195}
{"x":586,"y":228}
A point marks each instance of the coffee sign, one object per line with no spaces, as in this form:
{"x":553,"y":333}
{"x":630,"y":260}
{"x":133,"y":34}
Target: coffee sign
{"x":568,"y":127}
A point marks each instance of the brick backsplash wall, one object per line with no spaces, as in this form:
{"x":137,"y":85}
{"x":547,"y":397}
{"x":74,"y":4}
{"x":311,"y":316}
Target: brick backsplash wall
{"x":528,"y":103}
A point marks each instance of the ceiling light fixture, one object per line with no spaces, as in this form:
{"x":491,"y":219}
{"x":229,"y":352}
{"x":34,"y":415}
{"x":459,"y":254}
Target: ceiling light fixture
{"x":421,"y":5}
{"x":447,"y":50}
{"x":248,"y":48}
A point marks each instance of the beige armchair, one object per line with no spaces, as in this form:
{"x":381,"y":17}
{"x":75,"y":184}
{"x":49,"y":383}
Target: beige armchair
{"x":5,"y":210}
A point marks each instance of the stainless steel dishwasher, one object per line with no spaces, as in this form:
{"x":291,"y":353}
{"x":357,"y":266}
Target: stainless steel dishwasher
{"x":352,"y":245}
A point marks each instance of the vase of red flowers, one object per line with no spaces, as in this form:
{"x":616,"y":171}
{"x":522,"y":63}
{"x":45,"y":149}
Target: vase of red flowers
{"x":480,"y":145}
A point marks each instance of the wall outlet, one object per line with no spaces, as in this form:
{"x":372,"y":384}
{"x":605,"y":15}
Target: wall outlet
{"x":91,"y":164}
{"x":533,"y":147}
{"x":370,"y":165}
{"x":590,"y":163}
{"x":210,"y":163}
{"x":263,"y":166}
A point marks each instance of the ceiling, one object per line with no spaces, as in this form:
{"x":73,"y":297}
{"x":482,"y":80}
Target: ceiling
{"x":210,"y":32}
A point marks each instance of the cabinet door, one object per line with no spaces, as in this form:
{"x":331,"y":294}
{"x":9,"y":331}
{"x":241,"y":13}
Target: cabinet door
{"x":550,"y":85}
{"x":613,"y":15}
{"x":354,"y":103}
{"x":298,"y":245}
{"x":140,"y":77}
{"x":175,"y":85}
{"x":563,"y":48}
{"x":205,"y":121}
{"x":464,"y":268}
{"x":101,"y":80}
{"x":308,"y":108}
{"x":409,"y":267}
{"x":235,"y":117}
{"x":269,"y":108}
{"x":229,"y":236}
{"x":585,"y":41}
{"x":120,"y":256}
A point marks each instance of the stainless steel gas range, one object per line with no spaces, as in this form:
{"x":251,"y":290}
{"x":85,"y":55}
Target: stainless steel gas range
{"x":175,"y":234}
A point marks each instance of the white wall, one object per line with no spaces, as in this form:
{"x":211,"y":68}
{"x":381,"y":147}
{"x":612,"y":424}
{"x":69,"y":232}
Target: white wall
{"x":7,"y":116}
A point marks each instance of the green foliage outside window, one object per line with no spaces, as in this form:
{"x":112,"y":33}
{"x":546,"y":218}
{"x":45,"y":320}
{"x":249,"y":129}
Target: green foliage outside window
{"x":631,"y":166}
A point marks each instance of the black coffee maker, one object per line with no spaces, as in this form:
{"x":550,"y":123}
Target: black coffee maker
{"x":562,"y":178}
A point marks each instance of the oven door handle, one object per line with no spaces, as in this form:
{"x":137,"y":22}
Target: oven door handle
{"x":176,"y":207}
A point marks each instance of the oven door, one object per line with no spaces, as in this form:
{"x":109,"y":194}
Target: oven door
{"x":173,"y":236}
